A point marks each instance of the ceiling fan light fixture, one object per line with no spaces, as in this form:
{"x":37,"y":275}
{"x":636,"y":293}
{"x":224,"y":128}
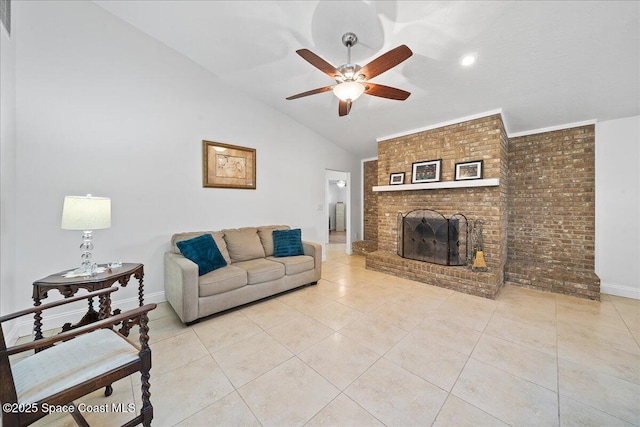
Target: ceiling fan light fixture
{"x":468,"y":60}
{"x":348,"y":91}
{"x":352,"y":79}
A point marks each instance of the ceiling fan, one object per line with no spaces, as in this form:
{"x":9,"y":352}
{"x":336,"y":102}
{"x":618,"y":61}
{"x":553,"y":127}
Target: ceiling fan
{"x":352,"y":79}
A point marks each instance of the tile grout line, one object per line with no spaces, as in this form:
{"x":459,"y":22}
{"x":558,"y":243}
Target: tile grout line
{"x":625,"y":322}
{"x":450,"y":393}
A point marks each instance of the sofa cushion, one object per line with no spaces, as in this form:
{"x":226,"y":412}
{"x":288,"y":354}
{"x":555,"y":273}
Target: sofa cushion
{"x":261,"y":270}
{"x":295,"y":264}
{"x":217,"y":237}
{"x":266,"y":237}
{"x":204,"y":252}
{"x":243,"y":244}
{"x":287,"y":243}
{"x":222,"y":280}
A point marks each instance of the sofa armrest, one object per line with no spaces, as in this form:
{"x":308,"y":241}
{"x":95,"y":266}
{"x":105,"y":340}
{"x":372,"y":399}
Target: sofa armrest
{"x":181,"y":286}
{"x":315,"y":250}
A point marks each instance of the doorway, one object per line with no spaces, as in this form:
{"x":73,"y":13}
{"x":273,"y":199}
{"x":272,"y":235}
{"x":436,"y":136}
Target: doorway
{"x":338,"y":197}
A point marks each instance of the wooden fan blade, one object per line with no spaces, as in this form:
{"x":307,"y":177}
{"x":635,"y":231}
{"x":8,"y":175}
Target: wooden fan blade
{"x":344,"y":107}
{"x":310,"y":92}
{"x":383,"y":91}
{"x":386,"y":61}
{"x":319,"y":63}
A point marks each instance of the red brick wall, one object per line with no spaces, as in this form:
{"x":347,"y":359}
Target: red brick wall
{"x":370,"y":201}
{"x":551,"y":227}
{"x":370,"y":212}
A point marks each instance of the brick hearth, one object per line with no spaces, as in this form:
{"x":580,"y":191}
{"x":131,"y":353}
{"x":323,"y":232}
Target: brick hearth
{"x":460,"y":279}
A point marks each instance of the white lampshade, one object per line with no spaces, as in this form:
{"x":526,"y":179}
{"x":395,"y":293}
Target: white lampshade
{"x":348,"y":90}
{"x":86,"y":213}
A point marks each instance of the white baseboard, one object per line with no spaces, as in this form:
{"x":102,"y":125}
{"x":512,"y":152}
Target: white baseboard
{"x":25,"y":326}
{"x":620,"y":290}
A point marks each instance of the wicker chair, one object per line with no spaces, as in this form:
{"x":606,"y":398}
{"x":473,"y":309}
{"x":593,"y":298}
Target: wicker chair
{"x":63,"y":369}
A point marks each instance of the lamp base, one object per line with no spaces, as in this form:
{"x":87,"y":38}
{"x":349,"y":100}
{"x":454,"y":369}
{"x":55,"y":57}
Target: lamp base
{"x":87,"y":268}
{"x":84,"y":272}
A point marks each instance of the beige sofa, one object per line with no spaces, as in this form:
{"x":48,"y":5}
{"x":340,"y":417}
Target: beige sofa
{"x":252,"y":272}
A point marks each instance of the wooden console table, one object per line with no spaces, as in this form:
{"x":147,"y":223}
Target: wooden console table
{"x":69,"y":286}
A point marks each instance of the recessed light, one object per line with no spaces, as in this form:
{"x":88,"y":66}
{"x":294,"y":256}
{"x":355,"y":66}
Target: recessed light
{"x":468,"y":60}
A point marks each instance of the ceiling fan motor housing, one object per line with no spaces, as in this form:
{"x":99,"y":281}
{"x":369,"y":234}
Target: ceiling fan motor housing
{"x":349,"y":73}
{"x":349,"y":39}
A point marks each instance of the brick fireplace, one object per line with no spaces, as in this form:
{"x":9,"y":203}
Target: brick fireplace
{"x":528,"y":189}
{"x":481,"y":139}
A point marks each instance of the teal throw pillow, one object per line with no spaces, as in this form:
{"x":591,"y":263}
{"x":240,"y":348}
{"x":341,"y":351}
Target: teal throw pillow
{"x":287,"y":242}
{"x":204,"y":252}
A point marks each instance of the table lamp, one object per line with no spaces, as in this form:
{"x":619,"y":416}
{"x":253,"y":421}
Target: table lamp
{"x":86,"y":213}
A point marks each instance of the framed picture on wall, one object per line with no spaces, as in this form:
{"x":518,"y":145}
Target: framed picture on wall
{"x":427,"y":171}
{"x":228,"y":166}
{"x":469,"y":170}
{"x":396,"y":178}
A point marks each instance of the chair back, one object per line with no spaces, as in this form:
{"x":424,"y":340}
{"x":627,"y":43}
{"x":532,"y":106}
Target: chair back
{"x":7,"y":386}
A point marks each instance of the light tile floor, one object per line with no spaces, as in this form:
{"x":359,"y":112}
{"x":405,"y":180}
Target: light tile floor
{"x":363,"y":348}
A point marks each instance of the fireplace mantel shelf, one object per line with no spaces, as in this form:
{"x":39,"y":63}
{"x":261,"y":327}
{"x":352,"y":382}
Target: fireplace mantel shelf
{"x":491,"y":182}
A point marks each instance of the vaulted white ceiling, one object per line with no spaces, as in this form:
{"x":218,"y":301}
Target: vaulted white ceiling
{"x":543,"y":63}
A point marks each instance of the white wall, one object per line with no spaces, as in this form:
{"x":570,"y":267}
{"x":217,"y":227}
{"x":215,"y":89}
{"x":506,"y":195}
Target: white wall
{"x":7,"y":174}
{"x":618,"y":206}
{"x":106,"y":110}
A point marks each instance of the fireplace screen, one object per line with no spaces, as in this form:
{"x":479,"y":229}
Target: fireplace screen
{"x":427,"y":235}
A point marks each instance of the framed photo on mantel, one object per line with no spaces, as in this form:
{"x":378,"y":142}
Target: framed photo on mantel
{"x":469,"y":170}
{"x":427,"y":171}
{"x":396,"y":178}
{"x":228,"y":166}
